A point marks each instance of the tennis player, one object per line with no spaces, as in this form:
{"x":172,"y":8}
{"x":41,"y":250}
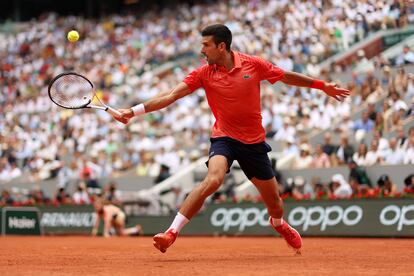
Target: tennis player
{"x":231,"y":81}
{"x":114,"y":219}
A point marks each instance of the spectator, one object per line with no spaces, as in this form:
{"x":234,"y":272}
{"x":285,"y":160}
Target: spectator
{"x":90,"y":182}
{"x":67,"y":174}
{"x":376,"y":95}
{"x":383,"y":144}
{"x":379,"y":123}
{"x":409,"y":184}
{"x":386,"y":186}
{"x":81,"y":196}
{"x":183,"y":160}
{"x":401,"y":138}
{"x":320,"y":190}
{"x":320,"y":159}
{"x":360,"y":157}
{"x":345,"y":150}
{"x":407,"y":140}
{"x":394,"y":155}
{"x":286,"y":132}
{"x":301,"y":189}
{"x":148,"y":166}
{"x":62,"y":197}
{"x":409,"y":95}
{"x":347,"y":125}
{"x":328,"y":147}
{"x":386,"y":78}
{"x":358,"y":178}
{"x":374,"y":156}
{"x":269,"y":131}
{"x":290,"y":148}
{"x":112,"y":194}
{"x":387,"y":115}
{"x":365,"y":123}
{"x":164,"y":174}
{"x":6,"y":198}
{"x":371,"y":110}
{"x":410,"y":111}
{"x":341,"y":188}
{"x":304,"y":159}
{"x":409,"y":152}
{"x":37,"y":196}
{"x":4,"y":173}
{"x":399,"y":82}
{"x":406,"y":57}
{"x":363,"y":64}
{"x":143,"y":165}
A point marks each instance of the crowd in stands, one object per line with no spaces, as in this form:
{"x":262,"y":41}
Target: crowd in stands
{"x":355,"y":185}
{"x":119,"y":54}
{"x":81,"y":196}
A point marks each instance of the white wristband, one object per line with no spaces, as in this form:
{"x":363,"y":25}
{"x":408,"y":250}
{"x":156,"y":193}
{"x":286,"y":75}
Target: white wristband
{"x":138,"y":109}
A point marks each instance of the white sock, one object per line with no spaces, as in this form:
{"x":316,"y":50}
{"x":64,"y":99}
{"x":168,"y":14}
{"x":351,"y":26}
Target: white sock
{"x":277,"y":222}
{"x":179,"y":222}
{"x":131,"y":231}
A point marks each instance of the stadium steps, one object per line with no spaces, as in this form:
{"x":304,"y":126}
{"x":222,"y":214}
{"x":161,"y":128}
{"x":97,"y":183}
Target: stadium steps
{"x":390,"y":37}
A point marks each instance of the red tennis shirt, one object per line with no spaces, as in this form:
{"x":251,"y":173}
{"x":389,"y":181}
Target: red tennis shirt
{"x":234,"y":96}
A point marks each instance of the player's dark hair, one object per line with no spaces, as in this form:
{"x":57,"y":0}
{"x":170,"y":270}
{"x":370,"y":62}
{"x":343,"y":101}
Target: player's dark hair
{"x":220,"y":33}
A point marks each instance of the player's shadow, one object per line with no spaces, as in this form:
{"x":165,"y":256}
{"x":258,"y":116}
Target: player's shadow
{"x":221,"y":259}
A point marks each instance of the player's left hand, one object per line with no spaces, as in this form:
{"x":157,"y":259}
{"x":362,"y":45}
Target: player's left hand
{"x":334,"y":91}
{"x":94,"y":232}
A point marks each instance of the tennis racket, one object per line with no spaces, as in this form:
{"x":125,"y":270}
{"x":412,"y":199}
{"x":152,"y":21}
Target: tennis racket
{"x":74,"y":91}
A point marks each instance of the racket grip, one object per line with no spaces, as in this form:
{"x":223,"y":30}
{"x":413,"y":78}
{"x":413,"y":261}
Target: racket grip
{"x":113,"y":112}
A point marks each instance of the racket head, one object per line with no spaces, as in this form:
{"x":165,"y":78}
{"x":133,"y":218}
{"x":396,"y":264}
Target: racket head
{"x":71,"y":90}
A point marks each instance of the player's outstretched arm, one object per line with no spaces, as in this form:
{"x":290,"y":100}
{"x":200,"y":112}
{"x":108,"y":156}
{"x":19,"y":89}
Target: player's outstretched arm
{"x":158,"y":102}
{"x":331,"y":89}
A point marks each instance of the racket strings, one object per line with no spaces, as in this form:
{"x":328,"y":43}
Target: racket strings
{"x":71,"y":91}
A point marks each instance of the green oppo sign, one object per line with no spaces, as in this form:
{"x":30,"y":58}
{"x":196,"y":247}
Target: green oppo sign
{"x":20,"y":221}
{"x":322,"y":218}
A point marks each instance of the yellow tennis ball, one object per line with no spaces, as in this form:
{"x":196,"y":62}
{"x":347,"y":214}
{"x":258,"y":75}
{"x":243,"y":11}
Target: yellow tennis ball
{"x":73,"y":36}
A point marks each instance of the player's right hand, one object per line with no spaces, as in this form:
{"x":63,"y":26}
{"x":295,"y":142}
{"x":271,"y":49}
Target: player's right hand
{"x":127,"y":113}
{"x":121,"y":119}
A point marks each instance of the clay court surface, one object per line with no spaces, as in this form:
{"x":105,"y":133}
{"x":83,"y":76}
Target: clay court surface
{"x":204,"y":256}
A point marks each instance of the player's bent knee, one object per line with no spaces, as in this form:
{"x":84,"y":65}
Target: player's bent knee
{"x":210,"y":185}
{"x":214,"y":182}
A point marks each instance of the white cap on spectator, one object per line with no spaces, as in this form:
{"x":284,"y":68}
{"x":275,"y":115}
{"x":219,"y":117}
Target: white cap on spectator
{"x":194,"y":154}
{"x":290,"y":140}
{"x":299,"y":181}
{"x":400,"y":105}
{"x":305,"y":147}
{"x":347,"y":114}
{"x":360,"y":135}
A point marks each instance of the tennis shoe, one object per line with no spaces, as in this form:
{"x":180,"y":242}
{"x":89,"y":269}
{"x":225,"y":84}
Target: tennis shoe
{"x":291,"y":236}
{"x":164,"y":240}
